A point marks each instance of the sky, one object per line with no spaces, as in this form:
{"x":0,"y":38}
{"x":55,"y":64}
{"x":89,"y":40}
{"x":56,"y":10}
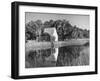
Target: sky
{"x":81,"y":21}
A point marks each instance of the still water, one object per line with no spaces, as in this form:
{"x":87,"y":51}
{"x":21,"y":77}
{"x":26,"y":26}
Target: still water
{"x":54,"y":57}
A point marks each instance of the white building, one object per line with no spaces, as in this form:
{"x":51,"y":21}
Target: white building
{"x":53,"y":33}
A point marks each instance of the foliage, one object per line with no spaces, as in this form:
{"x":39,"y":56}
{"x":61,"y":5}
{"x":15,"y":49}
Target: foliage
{"x":34,"y":29}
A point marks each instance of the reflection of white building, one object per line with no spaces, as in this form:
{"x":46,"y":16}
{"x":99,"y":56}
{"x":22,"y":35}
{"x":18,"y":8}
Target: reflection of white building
{"x":53,"y":33}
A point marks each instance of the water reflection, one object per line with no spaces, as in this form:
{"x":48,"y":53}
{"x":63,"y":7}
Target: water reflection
{"x":63,"y":56}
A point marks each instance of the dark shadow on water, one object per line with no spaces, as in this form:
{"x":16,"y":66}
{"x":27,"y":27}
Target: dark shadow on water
{"x":72,"y":56}
{"x":67,"y":56}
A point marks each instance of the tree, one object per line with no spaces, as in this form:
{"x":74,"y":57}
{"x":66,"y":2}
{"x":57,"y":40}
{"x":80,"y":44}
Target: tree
{"x":30,"y":29}
{"x":34,"y":30}
{"x":38,"y":29}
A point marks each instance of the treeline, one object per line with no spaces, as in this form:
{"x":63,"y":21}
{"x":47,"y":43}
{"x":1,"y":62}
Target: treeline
{"x":34,"y":29}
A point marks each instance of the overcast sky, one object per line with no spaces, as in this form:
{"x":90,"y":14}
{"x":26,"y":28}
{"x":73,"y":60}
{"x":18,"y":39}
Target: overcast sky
{"x":82,"y":21}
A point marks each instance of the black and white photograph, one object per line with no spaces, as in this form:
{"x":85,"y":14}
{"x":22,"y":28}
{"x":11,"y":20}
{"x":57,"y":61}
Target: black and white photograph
{"x":50,"y":40}
{"x":55,"y":40}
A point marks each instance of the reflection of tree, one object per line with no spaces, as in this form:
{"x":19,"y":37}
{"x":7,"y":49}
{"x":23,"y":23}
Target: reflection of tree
{"x":38,"y":58}
{"x":67,"y":54}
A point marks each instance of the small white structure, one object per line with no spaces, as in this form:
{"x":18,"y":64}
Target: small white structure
{"x":53,"y":33}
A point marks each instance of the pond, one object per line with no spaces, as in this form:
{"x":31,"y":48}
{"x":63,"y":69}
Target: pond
{"x":56,"y":57}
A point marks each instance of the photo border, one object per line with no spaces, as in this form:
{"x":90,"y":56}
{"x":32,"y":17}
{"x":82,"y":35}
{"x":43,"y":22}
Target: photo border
{"x":15,"y":39}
